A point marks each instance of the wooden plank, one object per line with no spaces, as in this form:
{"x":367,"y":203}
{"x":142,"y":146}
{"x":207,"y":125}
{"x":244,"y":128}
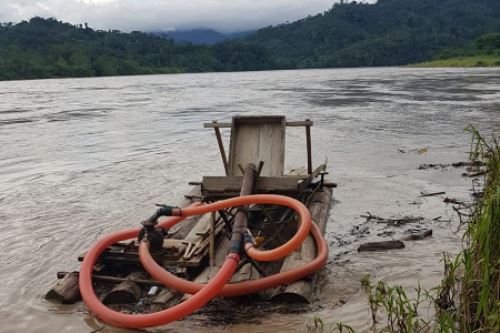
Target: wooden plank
{"x":255,"y":139}
{"x":215,"y":184}
{"x":266,"y":135}
{"x":288,"y":123}
{"x":244,"y":147}
{"x":311,"y":177}
{"x":301,"y":171}
{"x":216,"y":125}
{"x":272,"y":148}
{"x":299,"y":123}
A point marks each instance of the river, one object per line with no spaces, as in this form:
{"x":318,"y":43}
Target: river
{"x":80,"y":158}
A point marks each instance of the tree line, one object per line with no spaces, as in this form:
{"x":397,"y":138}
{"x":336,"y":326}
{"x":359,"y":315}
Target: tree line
{"x":390,"y":32}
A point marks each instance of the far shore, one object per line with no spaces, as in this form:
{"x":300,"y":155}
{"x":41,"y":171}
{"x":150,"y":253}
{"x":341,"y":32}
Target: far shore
{"x":465,"y":62}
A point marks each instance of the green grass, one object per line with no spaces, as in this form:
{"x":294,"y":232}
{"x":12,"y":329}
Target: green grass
{"x":472,"y":61}
{"x":479,"y":307}
{"x":468,"y":298}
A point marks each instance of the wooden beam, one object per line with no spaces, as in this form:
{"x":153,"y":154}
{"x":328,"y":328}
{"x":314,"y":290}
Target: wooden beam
{"x":307,"y":122}
{"x":232,"y":184}
{"x":309,"y":152}
{"x":316,"y":172}
{"x":221,"y":148}
{"x":215,"y":124}
{"x":114,"y":279}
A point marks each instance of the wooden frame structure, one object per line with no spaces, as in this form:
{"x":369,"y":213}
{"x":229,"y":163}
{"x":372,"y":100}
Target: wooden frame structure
{"x":229,"y":166}
{"x":259,"y":140}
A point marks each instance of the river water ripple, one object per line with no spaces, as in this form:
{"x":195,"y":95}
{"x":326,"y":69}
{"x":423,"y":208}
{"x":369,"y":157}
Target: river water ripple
{"x":80,"y":158}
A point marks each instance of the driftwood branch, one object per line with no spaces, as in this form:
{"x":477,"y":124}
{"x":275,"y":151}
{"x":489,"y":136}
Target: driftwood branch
{"x":381,"y":246}
{"x":418,"y":236}
{"x":455,"y":165}
{"x":399,"y":221}
{"x":422,"y":194}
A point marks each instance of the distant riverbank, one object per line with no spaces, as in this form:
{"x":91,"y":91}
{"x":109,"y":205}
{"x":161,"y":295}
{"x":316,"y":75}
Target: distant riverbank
{"x":466,"y":62}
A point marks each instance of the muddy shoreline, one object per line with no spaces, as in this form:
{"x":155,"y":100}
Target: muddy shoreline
{"x":96,"y":159}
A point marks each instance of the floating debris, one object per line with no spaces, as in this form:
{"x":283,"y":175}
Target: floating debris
{"x":392,"y":221}
{"x":381,"y":246}
{"x":418,"y":236}
{"x":422,"y":194}
{"x":455,"y":165}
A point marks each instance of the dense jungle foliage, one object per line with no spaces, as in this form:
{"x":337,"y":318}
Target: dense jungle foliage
{"x":483,"y":52}
{"x":390,"y":32}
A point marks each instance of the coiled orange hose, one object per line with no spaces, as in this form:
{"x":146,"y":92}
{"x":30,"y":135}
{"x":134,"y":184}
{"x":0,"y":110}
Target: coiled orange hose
{"x":271,"y":199}
{"x":218,"y":285}
{"x":240,"y":288}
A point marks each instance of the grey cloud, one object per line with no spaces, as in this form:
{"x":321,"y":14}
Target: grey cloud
{"x":127,"y":15}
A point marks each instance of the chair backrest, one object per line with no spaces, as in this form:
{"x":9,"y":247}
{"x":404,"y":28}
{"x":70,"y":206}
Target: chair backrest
{"x":255,"y":139}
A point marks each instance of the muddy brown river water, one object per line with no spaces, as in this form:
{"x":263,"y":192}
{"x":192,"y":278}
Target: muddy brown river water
{"x":80,"y":158}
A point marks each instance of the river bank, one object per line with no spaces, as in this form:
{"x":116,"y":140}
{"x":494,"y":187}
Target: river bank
{"x":462,"y":62}
{"x":86,"y":157}
{"x":466,"y":298}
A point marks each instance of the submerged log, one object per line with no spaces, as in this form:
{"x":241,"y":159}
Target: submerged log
{"x":161,"y":300}
{"x":114,"y":279}
{"x":302,"y":291}
{"x":418,"y":236}
{"x":125,"y":292}
{"x":66,"y":290}
{"x":381,"y":246}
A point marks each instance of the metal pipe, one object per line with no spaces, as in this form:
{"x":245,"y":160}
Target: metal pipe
{"x":240,"y":219}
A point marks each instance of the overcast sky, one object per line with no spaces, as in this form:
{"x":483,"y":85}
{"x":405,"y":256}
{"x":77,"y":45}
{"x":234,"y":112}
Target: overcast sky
{"x":146,"y":15}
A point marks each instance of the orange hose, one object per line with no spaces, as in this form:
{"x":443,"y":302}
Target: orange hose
{"x":153,"y":319}
{"x":240,"y":288}
{"x":271,"y":199}
{"x":217,"y":286}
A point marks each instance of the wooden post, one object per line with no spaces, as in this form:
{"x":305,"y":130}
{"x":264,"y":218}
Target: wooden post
{"x":308,"y":142}
{"x":212,"y":239}
{"x":221,"y":148}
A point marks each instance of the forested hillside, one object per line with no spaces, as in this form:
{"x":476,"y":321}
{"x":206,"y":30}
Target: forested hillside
{"x":43,"y":48}
{"x":201,"y":36}
{"x":483,"y":52}
{"x":390,"y":32}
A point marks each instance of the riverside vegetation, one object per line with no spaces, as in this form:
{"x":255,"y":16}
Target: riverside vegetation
{"x":484,"y":52}
{"x":389,"y":32}
{"x":467,"y":299}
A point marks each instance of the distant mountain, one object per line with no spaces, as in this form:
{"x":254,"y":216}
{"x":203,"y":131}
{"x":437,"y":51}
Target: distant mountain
{"x":388,"y":33}
{"x":202,"y":36}
{"x":48,"y":48}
